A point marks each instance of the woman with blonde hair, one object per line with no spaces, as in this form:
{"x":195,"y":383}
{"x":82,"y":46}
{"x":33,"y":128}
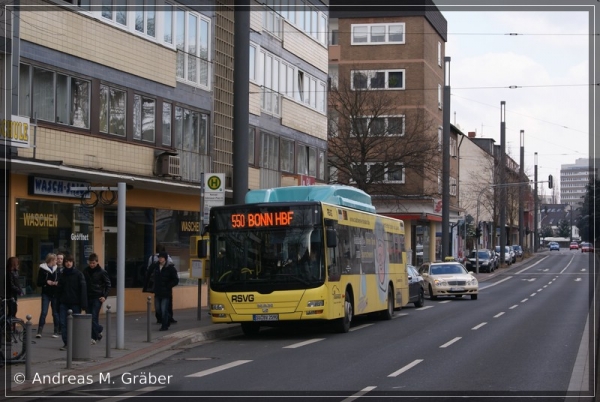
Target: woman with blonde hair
{"x":47,"y":280}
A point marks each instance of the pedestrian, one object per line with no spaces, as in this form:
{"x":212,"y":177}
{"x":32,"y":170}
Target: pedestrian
{"x":154,"y":258}
{"x":98,"y":286}
{"x":12,"y":286}
{"x":165,"y":279}
{"x":47,"y":280}
{"x":71,"y":293}
{"x":60,"y":257}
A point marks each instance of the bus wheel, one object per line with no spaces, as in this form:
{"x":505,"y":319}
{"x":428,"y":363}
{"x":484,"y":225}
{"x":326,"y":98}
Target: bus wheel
{"x":389,"y":312}
{"x":250,"y":328}
{"x":343,"y":324}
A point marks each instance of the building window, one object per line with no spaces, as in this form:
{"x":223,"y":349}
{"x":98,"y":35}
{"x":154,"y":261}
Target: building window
{"x":394,"y":173}
{"x":321,"y":172}
{"x":269,"y":157}
{"x":379,"y":172}
{"x":439,"y":96}
{"x":143,"y":118}
{"x":113,"y":10}
{"x":381,"y":79}
{"x":166,"y":124}
{"x":252,"y":57}
{"x":145,"y":17}
{"x":191,"y":41}
{"x":113,"y":110}
{"x":439,"y":181}
{"x":377,"y":34}
{"x":272,"y":22}
{"x":83,"y":4}
{"x":168,"y":23}
{"x":307,"y":161}
{"x":453,"y":148}
{"x":453,"y":186}
{"x":287,"y":156}
{"x":303,"y":16}
{"x":190,"y":130}
{"x":251,"y":145}
{"x":54,"y":97}
{"x":379,"y":126}
{"x":440,"y":134}
{"x":439,"y":53}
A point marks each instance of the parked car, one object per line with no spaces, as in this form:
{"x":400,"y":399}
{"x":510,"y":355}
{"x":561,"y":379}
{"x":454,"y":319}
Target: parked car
{"x":574,"y":246}
{"x":487,"y":262}
{"x":416,"y":287}
{"x":554,"y":246}
{"x":448,"y":279}
{"x":509,"y":254}
{"x":587,"y":247}
{"x":518,"y":250}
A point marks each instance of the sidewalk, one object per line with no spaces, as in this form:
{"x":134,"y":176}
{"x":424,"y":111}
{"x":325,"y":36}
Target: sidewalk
{"x":47,"y":359}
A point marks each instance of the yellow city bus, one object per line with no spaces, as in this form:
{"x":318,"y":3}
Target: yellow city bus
{"x":304,"y":253}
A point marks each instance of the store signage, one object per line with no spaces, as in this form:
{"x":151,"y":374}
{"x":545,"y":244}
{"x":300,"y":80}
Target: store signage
{"x":55,"y":187}
{"x":187,"y":226}
{"x":80,"y":236}
{"x":15,"y":132}
{"x":40,"y":220}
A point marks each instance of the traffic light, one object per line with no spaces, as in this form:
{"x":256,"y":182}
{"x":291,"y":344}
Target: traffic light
{"x":478,"y":232}
{"x":550,"y":181}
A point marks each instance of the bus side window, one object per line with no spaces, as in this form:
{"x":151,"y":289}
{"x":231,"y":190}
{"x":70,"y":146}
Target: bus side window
{"x":333,"y":270}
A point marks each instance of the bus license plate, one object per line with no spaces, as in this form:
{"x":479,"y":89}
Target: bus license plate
{"x":266,"y":317}
{"x":457,"y":289}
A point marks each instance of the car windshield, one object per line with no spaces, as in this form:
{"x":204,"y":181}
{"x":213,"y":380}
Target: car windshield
{"x":479,"y":254}
{"x":447,"y":269}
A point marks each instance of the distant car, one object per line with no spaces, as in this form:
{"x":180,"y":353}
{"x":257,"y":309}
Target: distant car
{"x":416,"y":287}
{"x":587,"y":248}
{"x":554,"y":246}
{"x":574,"y":246}
{"x":487,"y":262}
{"x":509,"y":254}
{"x":518,"y":250}
{"x":448,"y":279}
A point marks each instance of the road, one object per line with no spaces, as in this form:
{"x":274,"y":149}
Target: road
{"x":526,"y":336}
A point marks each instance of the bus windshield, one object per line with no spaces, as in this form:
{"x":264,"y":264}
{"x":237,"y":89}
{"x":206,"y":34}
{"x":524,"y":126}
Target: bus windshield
{"x":266,"y":258}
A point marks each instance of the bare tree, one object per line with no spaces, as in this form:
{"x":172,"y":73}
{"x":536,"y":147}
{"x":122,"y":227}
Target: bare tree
{"x":375,"y":142}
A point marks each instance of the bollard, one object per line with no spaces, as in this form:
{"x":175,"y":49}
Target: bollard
{"x":28,"y":350}
{"x":107,"y":331}
{"x":148,"y":337}
{"x":69,"y":338}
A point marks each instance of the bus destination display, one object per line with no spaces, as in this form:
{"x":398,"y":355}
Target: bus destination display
{"x":261,"y":219}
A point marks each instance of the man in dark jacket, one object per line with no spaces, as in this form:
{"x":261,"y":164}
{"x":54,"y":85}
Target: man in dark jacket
{"x":165,"y":279}
{"x":71,"y":293}
{"x":98,"y":286}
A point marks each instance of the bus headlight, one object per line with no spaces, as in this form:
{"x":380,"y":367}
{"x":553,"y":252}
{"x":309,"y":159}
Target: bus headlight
{"x":217,"y":307}
{"x":315,"y":303}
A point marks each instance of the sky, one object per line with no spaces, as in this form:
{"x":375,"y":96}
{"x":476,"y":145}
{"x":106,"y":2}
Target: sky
{"x":549,"y":60}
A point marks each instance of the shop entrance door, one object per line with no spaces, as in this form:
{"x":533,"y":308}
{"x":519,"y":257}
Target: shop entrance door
{"x":110,"y":256}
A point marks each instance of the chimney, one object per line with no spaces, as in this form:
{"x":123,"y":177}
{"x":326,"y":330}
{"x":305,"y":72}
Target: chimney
{"x":472,"y":134}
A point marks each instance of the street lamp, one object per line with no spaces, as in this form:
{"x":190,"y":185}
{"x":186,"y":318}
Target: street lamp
{"x":570,"y":209}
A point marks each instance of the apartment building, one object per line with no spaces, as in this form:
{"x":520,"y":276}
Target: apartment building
{"x":574,"y":178}
{"x":143,"y":95}
{"x":288,"y":87}
{"x":393,"y":60}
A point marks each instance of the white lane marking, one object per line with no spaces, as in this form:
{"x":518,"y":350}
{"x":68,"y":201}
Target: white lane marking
{"x":219,"y":368}
{"x":531,"y":295}
{"x":515,"y":306}
{"x":577,"y":280}
{"x":545,"y":270}
{"x":399,"y":315}
{"x":580,"y":379}
{"x":583,"y":270}
{"x":426,"y":307}
{"x":496,"y":283}
{"x":359,"y":394}
{"x":445,"y":345}
{"x":442,"y":302}
{"x":300,"y":344}
{"x":565,"y":268}
{"x":525,"y":269}
{"x":405,"y":368}
{"x":539,"y":290}
{"x":524,"y":300}
{"x":545,"y":286}
{"x":360,"y":327}
{"x":499,"y":314}
{"x":479,"y":326}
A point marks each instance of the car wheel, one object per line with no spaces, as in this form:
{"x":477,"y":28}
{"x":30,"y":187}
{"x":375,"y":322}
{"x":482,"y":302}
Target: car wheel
{"x":473,"y":297}
{"x":420,"y":299}
{"x":431,"y":295}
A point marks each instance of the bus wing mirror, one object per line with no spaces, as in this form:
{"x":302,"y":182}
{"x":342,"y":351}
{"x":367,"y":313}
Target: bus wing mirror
{"x":202,"y":248}
{"x":331,"y":238}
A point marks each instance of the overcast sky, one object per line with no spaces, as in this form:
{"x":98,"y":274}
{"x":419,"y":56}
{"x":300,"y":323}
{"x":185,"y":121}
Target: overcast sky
{"x":549,"y":58}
